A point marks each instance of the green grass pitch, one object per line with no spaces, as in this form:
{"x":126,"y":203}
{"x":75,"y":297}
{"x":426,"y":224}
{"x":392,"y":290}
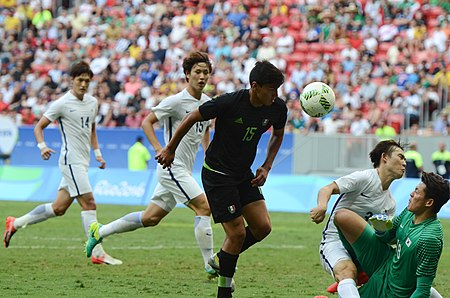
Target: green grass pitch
{"x":47,"y":259}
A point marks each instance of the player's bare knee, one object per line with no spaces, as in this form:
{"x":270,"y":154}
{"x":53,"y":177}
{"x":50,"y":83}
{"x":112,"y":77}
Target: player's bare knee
{"x":151,"y":221}
{"x":341,"y":216}
{"x":59,"y":211}
{"x":200,"y":206}
{"x":262,"y":232}
{"x":203,"y":211}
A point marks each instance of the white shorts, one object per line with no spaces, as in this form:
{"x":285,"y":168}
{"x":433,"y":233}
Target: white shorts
{"x":75,"y":180}
{"x":174,"y":186}
{"x":332,"y":253}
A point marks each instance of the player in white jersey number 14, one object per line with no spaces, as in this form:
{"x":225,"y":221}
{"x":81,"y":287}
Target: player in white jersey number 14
{"x":75,"y":113}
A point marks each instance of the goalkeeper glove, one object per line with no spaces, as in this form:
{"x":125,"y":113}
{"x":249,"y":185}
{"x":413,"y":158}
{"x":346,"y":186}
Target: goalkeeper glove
{"x":381,"y":222}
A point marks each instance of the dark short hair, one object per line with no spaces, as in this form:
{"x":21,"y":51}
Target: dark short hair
{"x":265,"y":73}
{"x":139,"y":139}
{"x":80,"y":68}
{"x":437,"y":188}
{"x":194,"y":58}
{"x":387,"y":147}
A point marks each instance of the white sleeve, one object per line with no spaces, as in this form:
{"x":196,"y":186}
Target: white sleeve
{"x":352,"y":182}
{"x":54,"y":111}
{"x":165,"y":108}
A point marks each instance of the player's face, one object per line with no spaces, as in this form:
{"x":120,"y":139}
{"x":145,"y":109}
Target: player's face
{"x":199,"y":76}
{"x":417,"y":201}
{"x":265,"y":94}
{"x":397,"y":163}
{"x":81,"y":85}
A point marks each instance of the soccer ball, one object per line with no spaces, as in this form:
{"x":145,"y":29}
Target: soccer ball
{"x":317,"y":99}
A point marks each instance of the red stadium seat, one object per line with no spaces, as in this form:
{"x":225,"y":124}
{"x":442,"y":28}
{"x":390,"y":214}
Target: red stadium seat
{"x":302,"y":47}
{"x":329,"y":48}
{"x":316,"y":47}
{"x":396,"y":121}
{"x":296,"y":57}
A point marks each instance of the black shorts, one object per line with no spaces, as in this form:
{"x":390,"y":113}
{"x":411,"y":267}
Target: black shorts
{"x":227,"y":195}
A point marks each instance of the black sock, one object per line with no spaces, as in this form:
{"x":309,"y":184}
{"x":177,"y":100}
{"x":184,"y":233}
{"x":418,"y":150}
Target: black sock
{"x":224,"y":292}
{"x":249,"y":239}
{"x":227,"y":263}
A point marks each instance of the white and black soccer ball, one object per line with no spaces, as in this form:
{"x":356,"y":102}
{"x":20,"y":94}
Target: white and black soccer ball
{"x":317,"y":99}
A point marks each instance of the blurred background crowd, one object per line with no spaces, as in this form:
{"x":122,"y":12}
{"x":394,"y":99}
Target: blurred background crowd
{"x":388,"y":61}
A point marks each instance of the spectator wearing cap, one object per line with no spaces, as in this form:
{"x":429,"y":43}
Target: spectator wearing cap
{"x":328,"y":27}
{"x":414,"y":162}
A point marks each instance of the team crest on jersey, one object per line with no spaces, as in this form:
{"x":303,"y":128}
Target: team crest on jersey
{"x":265,"y":122}
{"x":231,"y":209}
{"x":408,"y":242}
{"x":239,"y":121}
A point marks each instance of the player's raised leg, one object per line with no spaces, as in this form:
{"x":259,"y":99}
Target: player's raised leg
{"x":151,"y":216}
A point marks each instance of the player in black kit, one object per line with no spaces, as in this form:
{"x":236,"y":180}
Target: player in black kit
{"x":231,"y":188}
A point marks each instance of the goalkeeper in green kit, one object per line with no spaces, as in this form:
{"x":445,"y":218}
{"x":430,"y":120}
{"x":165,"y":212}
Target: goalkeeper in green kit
{"x":408,"y":269}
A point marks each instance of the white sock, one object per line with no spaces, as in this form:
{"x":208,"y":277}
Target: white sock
{"x":88,"y":217}
{"x":347,"y":288}
{"x":434,"y":293}
{"x":38,"y":214}
{"x":129,"y":222}
{"x":204,"y":236}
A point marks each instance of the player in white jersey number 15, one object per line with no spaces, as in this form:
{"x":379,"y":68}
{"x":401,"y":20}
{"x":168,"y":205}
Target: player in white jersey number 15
{"x":175,"y":185}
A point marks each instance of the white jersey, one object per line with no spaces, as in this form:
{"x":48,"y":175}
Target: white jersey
{"x":362,"y":193}
{"x":171,"y":111}
{"x":75,"y":118}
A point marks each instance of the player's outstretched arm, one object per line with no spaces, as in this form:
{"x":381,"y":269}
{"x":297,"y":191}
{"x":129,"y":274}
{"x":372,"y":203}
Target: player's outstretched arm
{"x":317,"y":213}
{"x":167,"y":154}
{"x":46,"y":152}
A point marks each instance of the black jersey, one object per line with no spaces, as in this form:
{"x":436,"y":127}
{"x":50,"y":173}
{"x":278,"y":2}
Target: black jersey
{"x":238,"y":129}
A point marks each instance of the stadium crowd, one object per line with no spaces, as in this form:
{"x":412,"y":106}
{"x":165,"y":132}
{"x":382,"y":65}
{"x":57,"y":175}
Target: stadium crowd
{"x":387,"y":61}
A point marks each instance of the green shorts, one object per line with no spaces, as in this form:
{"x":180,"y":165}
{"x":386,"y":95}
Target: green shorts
{"x":374,"y":257}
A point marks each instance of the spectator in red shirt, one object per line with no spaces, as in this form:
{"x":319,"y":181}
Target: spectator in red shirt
{"x":3,"y":105}
{"x":28,"y":117}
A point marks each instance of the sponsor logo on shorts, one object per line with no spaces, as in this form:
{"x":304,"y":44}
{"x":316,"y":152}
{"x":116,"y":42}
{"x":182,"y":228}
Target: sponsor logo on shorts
{"x":232,"y":209}
{"x":265,"y":122}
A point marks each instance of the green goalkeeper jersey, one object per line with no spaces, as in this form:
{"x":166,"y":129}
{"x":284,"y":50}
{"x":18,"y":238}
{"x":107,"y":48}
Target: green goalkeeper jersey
{"x":412,"y":268}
